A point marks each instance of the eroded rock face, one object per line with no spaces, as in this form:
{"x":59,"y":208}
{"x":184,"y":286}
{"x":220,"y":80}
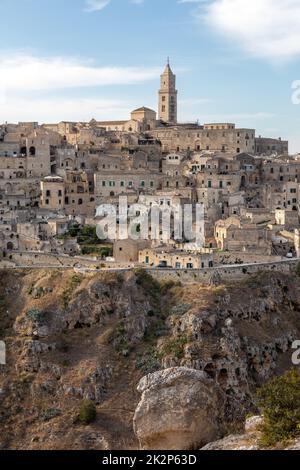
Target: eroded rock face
{"x":180,"y":409}
{"x":241,"y":339}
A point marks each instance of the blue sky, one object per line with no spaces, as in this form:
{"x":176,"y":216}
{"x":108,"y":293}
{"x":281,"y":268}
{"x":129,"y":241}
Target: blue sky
{"x":235,"y":60}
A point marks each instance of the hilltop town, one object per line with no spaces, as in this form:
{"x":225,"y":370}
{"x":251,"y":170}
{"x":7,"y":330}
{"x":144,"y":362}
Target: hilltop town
{"x":53,"y":177}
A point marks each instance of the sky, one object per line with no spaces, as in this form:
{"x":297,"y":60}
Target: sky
{"x":235,"y":60}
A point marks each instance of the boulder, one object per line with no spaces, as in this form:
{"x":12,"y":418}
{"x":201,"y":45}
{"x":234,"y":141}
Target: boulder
{"x":180,"y":409}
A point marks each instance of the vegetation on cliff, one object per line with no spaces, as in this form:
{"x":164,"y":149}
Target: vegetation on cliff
{"x":279,"y":401}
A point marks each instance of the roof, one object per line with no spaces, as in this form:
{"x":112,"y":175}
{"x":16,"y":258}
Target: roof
{"x":143,"y":108}
{"x":168,"y":70}
{"x":54,"y":178}
{"x":111,"y":123}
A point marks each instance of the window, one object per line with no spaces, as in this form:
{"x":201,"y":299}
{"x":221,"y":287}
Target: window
{"x":103,"y":183}
{"x":151,"y":184}
{"x":163,"y":98}
{"x":122,"y":184}
{"x":48,"y":193}
{"x":163,"y":108}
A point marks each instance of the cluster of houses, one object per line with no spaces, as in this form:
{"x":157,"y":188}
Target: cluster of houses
{"x":53,"y":177}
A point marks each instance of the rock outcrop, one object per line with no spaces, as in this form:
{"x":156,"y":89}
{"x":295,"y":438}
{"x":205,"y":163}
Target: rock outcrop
{"x":177,"y":410}
{"x":247,"y":441}
{"x":71,"y":337}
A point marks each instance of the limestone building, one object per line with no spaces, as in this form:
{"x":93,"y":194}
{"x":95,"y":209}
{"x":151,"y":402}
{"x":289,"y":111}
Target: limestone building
{"x":168,"y":96}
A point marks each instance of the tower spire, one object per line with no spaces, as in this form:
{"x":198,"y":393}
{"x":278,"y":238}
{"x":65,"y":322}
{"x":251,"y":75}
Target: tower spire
{"x":168,"y":96}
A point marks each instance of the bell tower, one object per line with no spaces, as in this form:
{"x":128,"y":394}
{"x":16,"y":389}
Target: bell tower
{"x":167,"y":110}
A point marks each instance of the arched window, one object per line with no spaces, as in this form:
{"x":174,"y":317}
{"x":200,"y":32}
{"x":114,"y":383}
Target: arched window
{"x":80,"y":202}
{"x":32,"y":151}
{"x":10,"y":246}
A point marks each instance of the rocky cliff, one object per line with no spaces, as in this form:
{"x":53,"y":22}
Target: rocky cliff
{"x":99,"y":336}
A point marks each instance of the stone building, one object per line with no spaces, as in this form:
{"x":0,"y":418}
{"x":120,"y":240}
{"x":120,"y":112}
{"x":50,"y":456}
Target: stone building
{"x":176,"y":259}
{"x":195,"y":138}
{"x":70,"y":195}
{"x":267,"y":146}
{"x":167,"y":104}
{"x":127,"y":251}
{"x":53,"y":193}
{"x":235,"y":234}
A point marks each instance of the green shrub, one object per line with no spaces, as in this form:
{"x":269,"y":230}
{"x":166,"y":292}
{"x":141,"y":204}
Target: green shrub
{"x":87,"y":412}
{"x":149,"y":361}
{"x":88,"y":236}
{"x":176,"y":346}
{"x":279,"y":401}
{"x":49,"y":414}
{"x":72,"y":285}
{"x":74,"y":230}
{"x":35,"y":315}
{"x":148,"y":283}
{"x":180,"y":309}
{"x":102,"y":251}
{"x":166,"y":286}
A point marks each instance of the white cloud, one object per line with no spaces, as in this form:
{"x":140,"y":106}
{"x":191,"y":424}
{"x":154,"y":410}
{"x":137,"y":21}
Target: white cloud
{"x":190,"y":1}
{"x":28,"y":85}
{"x":264,"y":28}
{"x":57,"y":109}
{"x":96,"y":5}
{"x":29,"y":73}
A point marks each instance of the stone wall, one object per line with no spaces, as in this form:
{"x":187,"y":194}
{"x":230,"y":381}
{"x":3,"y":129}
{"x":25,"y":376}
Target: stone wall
{"x":225,"y":273}
{"x":205,"y":276}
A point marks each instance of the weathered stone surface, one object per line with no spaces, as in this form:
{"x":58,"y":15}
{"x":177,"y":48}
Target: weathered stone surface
{"x":247,"y":441}
{"x":179,"y":409}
